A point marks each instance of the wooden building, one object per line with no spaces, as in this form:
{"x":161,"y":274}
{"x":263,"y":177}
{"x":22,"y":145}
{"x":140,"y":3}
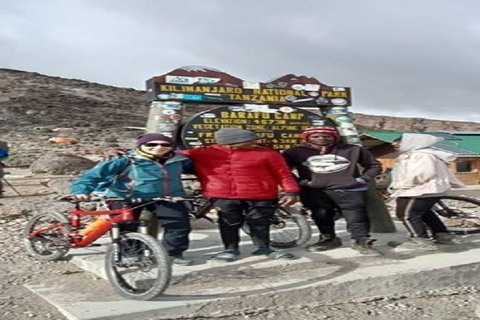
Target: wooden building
{"x":464,"y":145}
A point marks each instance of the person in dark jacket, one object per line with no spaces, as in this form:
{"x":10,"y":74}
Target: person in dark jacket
{"x":331,"y":180}
{"x":243,"y":178}
{"x":152,"y":170}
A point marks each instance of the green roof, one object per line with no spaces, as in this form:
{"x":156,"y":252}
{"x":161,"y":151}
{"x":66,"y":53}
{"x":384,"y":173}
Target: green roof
{"x":458,"y":143}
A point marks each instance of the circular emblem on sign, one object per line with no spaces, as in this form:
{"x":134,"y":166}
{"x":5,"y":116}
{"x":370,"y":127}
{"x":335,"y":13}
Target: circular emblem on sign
{"x":168,"y":111}
{"x":327,"y":163}
{"x":298,"y":87}
{"x":339,"y":102}
{"x":286,"y":109}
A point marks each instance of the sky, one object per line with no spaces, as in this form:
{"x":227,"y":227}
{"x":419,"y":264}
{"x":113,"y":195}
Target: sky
{"x":408,"y":58}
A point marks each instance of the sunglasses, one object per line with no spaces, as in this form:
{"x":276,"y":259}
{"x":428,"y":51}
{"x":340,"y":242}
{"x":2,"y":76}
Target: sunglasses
{"x":151,"y":145}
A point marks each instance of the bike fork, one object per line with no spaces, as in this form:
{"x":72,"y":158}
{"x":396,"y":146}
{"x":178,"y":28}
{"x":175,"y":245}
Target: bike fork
{"x":143,"y":228}
{"x":116,"y":242}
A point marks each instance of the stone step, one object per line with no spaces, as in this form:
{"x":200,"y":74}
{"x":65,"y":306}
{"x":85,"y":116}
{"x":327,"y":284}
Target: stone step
{"x":211,"y":289}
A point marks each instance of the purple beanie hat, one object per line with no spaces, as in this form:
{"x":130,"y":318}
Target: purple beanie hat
{"x":147,"y":137}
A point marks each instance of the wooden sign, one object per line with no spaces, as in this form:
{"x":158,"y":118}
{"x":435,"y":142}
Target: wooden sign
{"x":207,"y":85}
{"x":279,"y":126}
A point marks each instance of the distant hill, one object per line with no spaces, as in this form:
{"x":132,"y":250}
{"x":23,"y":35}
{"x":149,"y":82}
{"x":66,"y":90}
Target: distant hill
{"x":31,"y":105}
{"x":33,"y":100}
{"x":369,"y":122}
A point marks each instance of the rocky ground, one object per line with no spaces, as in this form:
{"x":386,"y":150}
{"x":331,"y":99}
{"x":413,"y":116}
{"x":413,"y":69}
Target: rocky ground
{"x":17,"y":269}
{"x":32,"y":109}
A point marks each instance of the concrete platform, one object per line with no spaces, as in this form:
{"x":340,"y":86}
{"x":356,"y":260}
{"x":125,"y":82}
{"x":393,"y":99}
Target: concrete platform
{"x":212,"y":289}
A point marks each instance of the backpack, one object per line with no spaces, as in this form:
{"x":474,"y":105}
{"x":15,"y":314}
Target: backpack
{"x":3,"y":150}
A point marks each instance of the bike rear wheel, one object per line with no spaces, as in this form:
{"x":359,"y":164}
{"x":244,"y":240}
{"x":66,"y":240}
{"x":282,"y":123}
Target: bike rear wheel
{"x":288,"y":228}
{"x":51,"y":244}
{"x":143,"y":269}
{"x":460,"y":214}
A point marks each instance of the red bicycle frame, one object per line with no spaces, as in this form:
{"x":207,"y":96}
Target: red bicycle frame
{"x":77,"y":240}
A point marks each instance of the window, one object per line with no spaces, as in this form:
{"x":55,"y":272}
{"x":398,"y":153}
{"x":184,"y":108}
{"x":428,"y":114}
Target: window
{"x":464,"y":166}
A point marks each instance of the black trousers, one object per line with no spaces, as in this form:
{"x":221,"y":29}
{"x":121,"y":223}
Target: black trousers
{"x":175,"y":222}
{"x":416,"y":215}
{"x":324,"y":205}
{"x":232,"y":213}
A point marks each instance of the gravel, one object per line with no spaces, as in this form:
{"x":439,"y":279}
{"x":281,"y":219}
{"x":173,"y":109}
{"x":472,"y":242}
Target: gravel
{"x":18,"y":303}
{"x":17,"y":269}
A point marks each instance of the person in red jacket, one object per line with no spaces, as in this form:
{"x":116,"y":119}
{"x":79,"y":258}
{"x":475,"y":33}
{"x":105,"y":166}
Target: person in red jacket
{"x":243,"y":178}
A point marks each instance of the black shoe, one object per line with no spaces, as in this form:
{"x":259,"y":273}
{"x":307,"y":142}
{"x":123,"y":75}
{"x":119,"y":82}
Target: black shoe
{"x":445,"y":238}
{"x":228,"y":255}
{"x":181,"y":261}
{"x":325,"y":244}
{"x":365,"y":246}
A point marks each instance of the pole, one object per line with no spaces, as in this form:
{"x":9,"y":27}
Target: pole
{"x":11,"y":186}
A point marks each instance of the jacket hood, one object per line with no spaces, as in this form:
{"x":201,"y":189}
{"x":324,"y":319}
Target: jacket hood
{"x":444,"y":156}
{"x":417,"y":141}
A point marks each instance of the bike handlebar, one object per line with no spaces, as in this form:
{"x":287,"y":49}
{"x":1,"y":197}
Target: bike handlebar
{"x":70,"y":198}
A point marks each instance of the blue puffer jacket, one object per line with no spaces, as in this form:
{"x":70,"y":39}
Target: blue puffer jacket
{"x":135,"y":176}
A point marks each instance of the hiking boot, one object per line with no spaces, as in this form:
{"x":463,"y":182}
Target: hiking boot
{"x":445,"y":238}
{"x":262,"y":251}
{"x":181,"y":261}
{"x":229,"y":255}
{"x":272,"y":254}
{"x":421,"y":244}
{"x":325,"y":243}
{"x":365,"y":246}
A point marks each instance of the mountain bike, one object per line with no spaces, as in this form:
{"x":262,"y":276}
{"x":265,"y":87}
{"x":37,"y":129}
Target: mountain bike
{"x":460,"y":214}
{"x":289,"y":226}
{"x":137,"y":266}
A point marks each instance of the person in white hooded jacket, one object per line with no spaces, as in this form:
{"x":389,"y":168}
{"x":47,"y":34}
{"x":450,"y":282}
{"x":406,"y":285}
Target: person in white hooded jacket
{"x":419,"y":178}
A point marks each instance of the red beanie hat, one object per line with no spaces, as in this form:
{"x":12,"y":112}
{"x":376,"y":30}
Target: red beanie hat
{"x":325,"y":130}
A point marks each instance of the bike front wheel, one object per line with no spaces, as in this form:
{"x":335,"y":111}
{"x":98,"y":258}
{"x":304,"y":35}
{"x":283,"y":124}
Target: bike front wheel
{"x":460,"y":214}
{"x":52,"y":242}
{"x":138,"y":267}
{"x":289,"y":228}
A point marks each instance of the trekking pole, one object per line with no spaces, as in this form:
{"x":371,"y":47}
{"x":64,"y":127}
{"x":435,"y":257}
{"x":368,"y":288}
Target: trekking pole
{"x":11,"y":186}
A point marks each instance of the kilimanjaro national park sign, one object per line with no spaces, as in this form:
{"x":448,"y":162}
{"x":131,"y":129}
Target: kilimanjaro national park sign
{"x":279,"y":126}
{"x":207,"y":85}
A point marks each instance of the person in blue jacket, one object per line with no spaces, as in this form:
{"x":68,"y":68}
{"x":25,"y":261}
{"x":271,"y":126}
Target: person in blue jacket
{"x":151,"y":170}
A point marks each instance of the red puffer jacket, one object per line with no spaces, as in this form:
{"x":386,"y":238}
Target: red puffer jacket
{"x":253,"y":174}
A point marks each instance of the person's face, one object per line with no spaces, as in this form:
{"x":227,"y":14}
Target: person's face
{"x":321,"y":139}
{"x":157,"y":147}
{"x":242,"y":145}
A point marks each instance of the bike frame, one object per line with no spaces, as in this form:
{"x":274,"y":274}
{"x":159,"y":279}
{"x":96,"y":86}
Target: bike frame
{"x":74,"y":238}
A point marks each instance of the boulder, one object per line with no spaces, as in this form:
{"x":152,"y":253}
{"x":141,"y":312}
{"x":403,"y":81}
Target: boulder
{"x":54,"y":162}
{"x":60,"y":186}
